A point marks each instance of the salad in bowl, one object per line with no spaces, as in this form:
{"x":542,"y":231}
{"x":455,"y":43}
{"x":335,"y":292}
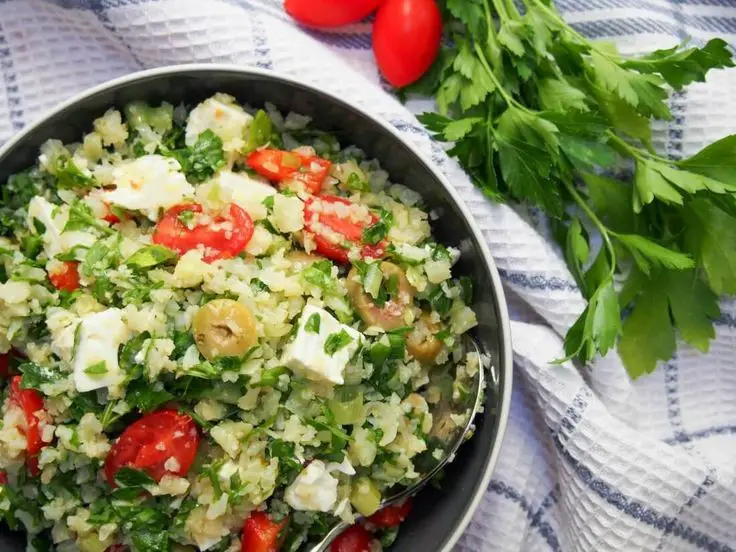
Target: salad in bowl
{"x":221,"y":330}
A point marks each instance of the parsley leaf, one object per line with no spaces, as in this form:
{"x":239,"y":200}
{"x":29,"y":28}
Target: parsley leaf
{"x":313,"y":323}
{"x":679,"y":66}
{"x":379,"y":230}
{"x":337,"y":341}
{"x":150,"y":256}
{"x":71,"y":177}
{"x":203,"y":159}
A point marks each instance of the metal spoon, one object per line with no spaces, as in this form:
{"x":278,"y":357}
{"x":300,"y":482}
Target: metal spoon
{"x":443,"y":430}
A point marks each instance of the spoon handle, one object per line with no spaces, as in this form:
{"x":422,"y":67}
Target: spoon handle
{"x":333,"y":533}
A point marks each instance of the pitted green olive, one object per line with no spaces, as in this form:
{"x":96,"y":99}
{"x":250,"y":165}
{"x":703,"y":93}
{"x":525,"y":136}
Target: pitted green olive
{"x":391,"y":315}
{"x":422,"y":343}
{"x":224,"y":327}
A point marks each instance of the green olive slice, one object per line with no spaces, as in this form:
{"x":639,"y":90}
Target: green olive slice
{"x":224,"y":327}
{"x":422,"y":343}
{"x":391,"y":315}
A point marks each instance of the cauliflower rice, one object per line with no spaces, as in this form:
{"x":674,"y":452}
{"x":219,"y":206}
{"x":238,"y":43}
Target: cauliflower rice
{"x":307,"y":379}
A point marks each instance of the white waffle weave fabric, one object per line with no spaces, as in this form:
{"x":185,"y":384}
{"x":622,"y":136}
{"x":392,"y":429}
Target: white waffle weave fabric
{"x":591,"y":461}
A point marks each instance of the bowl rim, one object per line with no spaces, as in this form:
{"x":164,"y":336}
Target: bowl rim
{"x":500,"y":298}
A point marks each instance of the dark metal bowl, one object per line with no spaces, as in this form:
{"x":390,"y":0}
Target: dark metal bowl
{"x":439,"y":516}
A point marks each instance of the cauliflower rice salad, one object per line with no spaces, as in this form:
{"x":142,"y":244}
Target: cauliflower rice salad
{"x":221,"y":331}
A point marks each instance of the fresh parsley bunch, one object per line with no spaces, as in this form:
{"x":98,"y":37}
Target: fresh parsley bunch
{"x":535,"y":111}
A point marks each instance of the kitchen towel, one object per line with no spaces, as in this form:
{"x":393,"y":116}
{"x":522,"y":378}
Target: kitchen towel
{"x":591,"y":460}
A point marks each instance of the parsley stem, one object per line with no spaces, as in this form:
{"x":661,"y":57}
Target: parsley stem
{"x":499,"y":87}
{"x":605,"y":232}
{"x":623,"y":146}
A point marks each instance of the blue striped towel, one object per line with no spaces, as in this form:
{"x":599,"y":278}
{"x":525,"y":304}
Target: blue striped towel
{"x":591,"y":461}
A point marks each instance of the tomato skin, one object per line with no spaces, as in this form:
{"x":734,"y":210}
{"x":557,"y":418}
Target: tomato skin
{"x":406,"y":39}
{"x":30,"y":401}
{"x":353,"y":539}
{"x":150,"y":441}
{"x":391,"y":516}
{"x":351,"y":231}
{"x":218,"y":242}
{"x":261,"y":533}
{"x":286,"y":167}
{"x":67,"y":277}
{"x":330,"y":13}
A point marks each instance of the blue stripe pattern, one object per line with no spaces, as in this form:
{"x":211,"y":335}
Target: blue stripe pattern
{"x":10,"y":80}
{"x":669,"y":525}
{"x":545,"y":530}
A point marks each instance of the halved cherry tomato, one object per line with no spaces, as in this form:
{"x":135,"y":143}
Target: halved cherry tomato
{"x":353,"y":539}
{"x":325,"y":227}
{"x":291,"y":167}
{"x":31,"y":402}
{"x":406,"y":39}
{"x":223,"y":236}
{"x":3,"y":478}
{"x":261,"y":533}
{"x":67,"y":277}
{"x":391,"y":516}
{"x":329,"y":13}
{"x":151,"y":442}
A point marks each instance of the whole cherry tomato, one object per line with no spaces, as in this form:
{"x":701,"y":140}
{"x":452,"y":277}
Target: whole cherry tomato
{"x":335,"y":230}
{"x":406,"y":39}
{"x":222,"y":235}
{"x":260,"y":533}
{"x":160,"y":443}
{"x":31,"y":402}
{"x":66,"y":278}
{"x":353,"y":539}
{"x":291,"y":169}
{"x":391,"y":516}
{"x":329,"y":13}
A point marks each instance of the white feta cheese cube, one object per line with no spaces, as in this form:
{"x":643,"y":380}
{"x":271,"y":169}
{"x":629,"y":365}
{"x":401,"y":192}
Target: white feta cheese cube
{"x":247,"y":192}
{"x":99,"y":336}
{"x":53,"y":218}
{"x":314,"y":489}
{"x":148,"y":184}
{"x":313,"y":351}
{"x":221,"y":115}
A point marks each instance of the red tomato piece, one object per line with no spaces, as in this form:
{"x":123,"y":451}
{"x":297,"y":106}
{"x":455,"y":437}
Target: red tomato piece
{"x":31,"y":402}
{"x":261,"y":533}
{"x":111,"y":217}
{"x":67,"y":277}
{"x":391,"y":516}
{"x":406,"y":39}
{"x":353,"y":539}
{"x":223,"y":236}
{"x":290,"y":167}
{"x":330,"y":13}
{"x":150,"y":442}
{"x":334,"y":233}
{"x":117,"y":548}
{"x":3,"y":478}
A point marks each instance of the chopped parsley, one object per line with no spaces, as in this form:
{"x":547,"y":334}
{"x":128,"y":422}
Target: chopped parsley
{"x":337,"y":341}
{"x":313,"y":323}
